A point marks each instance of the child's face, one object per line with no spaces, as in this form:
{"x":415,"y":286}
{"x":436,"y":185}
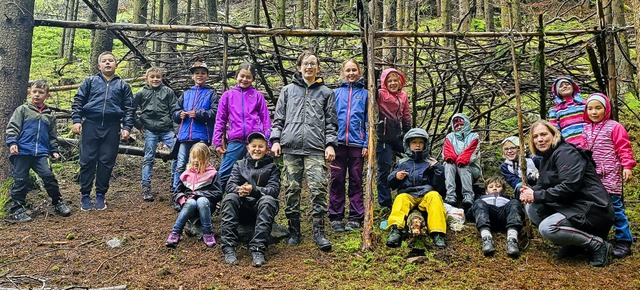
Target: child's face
{"x":494,"y":187}
{"x":244,"y":78}
{"x":107,"y":65}
{"x":257,"y":148}
{"x":565,"y":89}
{"x":200,"y":76}
{"x":393,"y":82}
{"x":416,"y":144}
{"x":351,"y":72}
{"x":458,"y":124}
{"x":510,"y":150}
{"x":154,"y":79}
{"x":195,"y":163}
{"x":309,"y":68}
{"x":596,"y":111}
{"x":38,"y":96}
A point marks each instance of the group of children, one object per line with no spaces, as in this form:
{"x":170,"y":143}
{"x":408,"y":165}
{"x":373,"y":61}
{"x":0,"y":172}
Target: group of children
{"x":311,"y":125}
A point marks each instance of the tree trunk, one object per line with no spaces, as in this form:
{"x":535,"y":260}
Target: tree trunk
{"x":140,"y":17}
{"x":400,"y":26}
{"x":465,"y":15}
{"x":479,"y":8}
{"x":389,"y":23}
{"x":624,"y":70}
{"x":281,"y":9}
{"x":636,"y":24}
{"x":212,"y":10}
{"x":330,"y":18}
{"x":187,"y":21}
{"x":170,"y":13}
{"x":158,"y":19}
{"x":300,"y":13}
{"x":16,"y":21}
{"x":504,"y":14}
{"x":314,"y":16}
{"x":103,"y":40}
{"x":516,"y":15}
{"x":70,"y":33}
{"x":256,"y":11}
{"x":67,"y":10}
{"x":488,"y":16}
{"x":446,"y":15}
{"x":408,"y":7}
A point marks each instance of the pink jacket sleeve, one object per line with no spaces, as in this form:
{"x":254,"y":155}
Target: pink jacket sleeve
{"x":622,"y":145}
{"x":406,"y":113}
{"x":222,"y":116}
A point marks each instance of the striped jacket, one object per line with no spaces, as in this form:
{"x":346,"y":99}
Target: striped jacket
{"x":567,"y":114}
{"x":33,"y":130}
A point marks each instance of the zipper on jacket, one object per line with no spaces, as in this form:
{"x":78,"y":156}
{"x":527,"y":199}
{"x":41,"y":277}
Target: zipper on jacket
{"x":348,"y":115}
{"x":244,"y":133}
{"x":38,"y":133}
{"x":398,"y":111}
{"x":193,"y":107}
{"x":104,"y":103}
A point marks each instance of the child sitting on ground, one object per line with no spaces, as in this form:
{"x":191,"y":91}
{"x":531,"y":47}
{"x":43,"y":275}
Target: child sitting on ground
{"x":461,"y":149}
{"x":566,"y":114}
{"x":197,"y":193}
{"x":252,"y":194}
{"x":417,"y":179}
{"x":496,"y":211}
{"x":510,"y":168}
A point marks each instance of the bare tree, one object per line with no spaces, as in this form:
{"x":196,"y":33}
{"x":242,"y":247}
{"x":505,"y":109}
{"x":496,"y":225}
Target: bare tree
{"x":300,"y":13}
{"x":623,"y":66}
{"x":479,"y":8}
{"x":103,"y":40}
{"x":516,"y":15}
{"x":445,"y":13}
{"x":389,"y":23}
{"x":488,"y":16}
{"x":465,"y":15}
{"x":256,"y":11}
{"x":140,"y":17}
{"x":281,"y":8}
{"x":504,"y":14}
{"x":314,"y":16}
{"x":170,"y":13}
{"x":400,"y":20}
{"x":212,"y":10}
{"x":636,"y":24}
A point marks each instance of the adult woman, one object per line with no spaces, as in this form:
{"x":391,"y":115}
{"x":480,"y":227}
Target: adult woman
{"x":569,"y":203}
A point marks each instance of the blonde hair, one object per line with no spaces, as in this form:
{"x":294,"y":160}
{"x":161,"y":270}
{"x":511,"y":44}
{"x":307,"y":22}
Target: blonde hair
{"x":495,"y":179}
{"x":200,"y":152}
{"x":154,"y":69}
{"x":344,"y":63}
{"x":551,"y":128}
{"x":107,"y":53}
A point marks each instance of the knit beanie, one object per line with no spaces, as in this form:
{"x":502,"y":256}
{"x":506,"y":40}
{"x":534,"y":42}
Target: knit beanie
{"x":597,"y":97}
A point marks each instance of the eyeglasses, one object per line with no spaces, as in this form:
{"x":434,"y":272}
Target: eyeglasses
{"x":309,"y":64}
{"x":514,"y":148}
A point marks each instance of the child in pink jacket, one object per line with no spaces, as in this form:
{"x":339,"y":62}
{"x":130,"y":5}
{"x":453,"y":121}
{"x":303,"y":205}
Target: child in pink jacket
{"x":609,"y":142}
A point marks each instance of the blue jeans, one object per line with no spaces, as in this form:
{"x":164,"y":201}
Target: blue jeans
{"x":181,"y":161}
{"x":151,"y":140}
{"x":235,"y":152}
{"x":189,"y":209}
{"x":620,"y":223}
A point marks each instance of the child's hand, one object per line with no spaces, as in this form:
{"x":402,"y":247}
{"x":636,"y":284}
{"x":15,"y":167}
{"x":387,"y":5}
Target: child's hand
{"x":329,"y":153}
{"x":55,"y":155}
{"x":221,"y":150}
{"x":192,"y":113}
{"x":125,"y":134}
{"x":432,"y":161}
{"x":627,"y":175}
{"x":183,"y":115}
{"x":276,"y":149}
{"x":13,"y":149}
{"x":400,"y":175}
{"x":76,"y":128}
{"x":365,"y":152}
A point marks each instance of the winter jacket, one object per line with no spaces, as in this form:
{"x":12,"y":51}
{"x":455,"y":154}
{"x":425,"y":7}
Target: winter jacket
{"x":240,"y":113}
{"x":305,"y":120}
{"x":104,"y":101}
{"x":568,"y":184}
{"x":155,"y":106}
{"x":422,"y":177}
{"x":33,"y":130}
{"x":351,"y":107}
{"x":461,"y":148}
{"x":513,"y":175}
{"x":394,"y":116}
{"x":609,"y":142}
{"x":206,"y":184}
{"x":263,"y":175}
{"x":566,"y":114}
{"x":205,"y":102}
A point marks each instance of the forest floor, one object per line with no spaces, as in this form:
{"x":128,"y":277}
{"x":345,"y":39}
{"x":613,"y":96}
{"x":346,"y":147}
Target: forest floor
{"x":53,"y":252}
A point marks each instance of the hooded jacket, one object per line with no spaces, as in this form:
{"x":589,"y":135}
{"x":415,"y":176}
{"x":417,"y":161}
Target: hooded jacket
{"x":568,"y":184}
{"x":240,"y":113}
{"x":305,"y":121}
{"x":351,"y":108}
{"x":566,"y":114}
{"x":609,"y":142}
{"x":205,"y":102}
{"x":422,"y":177}
{"x":461,"y":147}
{"x":206,"y":184}
{"x":33,"y":130}
{"x":103,"y":101}
{"x":394,"y":116}
{"x":155,"y":106}
{"x":262,"y":174}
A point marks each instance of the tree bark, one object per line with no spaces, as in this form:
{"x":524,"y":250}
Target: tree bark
{"x":465,"y":15}
{"x":314,"y":17}
{"x":300,"y":13}
{"x":488,"y":16}
{"x":281,"y":8}
{"x":212,"y":10}
{"x":636,"y":24}
{"x":17,"y":22}
{"x":187,"y":21}
{"x":169,"y":46}
{"x":623,"y":67}
{"x":516,"y":15}
{"x":479,"y":8}
{"x":159,"y":4}
{"x":140,"y":17}
{"x":330,"y":18}
{"x":504,"y":14}
{"x":256,"y":11}
{"x":389,"y":23}
{"x":69,"y":34}
{"x":400,"y":26}
{"x":446,"y":15}
{"x":103,"y":40}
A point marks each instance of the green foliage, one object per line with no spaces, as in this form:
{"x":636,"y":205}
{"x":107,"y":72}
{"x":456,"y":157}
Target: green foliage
{"x":5,"y":193}
{"x":477,"y":25}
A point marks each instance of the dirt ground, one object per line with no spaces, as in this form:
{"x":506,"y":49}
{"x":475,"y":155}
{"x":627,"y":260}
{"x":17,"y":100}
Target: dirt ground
{"x":52,"y":252}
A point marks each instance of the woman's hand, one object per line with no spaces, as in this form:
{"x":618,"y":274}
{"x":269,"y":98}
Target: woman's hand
{"x":526,"y":194}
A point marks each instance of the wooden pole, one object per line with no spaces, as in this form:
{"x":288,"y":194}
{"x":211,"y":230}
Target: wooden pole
{"x":541,"y":68}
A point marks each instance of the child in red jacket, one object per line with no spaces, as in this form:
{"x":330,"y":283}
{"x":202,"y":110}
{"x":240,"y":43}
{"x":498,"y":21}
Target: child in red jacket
{"x":460,"y":152}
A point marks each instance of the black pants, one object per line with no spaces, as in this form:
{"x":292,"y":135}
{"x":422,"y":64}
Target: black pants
{"x":236,"y":210}
{"x":496,"y":218}
{"x":98,"y":151}
{"x":21,"y":166}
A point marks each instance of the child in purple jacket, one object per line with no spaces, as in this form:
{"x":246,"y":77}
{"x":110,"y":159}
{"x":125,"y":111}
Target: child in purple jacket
{"x":241,"y":111}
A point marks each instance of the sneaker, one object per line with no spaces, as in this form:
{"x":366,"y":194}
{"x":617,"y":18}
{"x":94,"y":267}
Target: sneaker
{"x":146,"y":194}
{"x":395,"y":237}
{"x":439,"y":240}
{"x":451,"y":200}
{"x":352,"y":226}
{"x":173,"y":239}
{"x":85,"y":203}
{"x":230,"y":255}
{"x":337,"y":226}
{"x":209,"y":240}
{"x":20,"y":216}
{"x":601,"y":256}
{"x":488,"y":247}
{"x":61,"y":208}
{"x":512,"y":248}
{"x":257,"y":259}
{"x":101,"y":204}
{"x":621,"y":249}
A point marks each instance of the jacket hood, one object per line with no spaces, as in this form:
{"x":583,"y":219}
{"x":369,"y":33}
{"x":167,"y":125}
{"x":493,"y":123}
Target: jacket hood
{"x":466,"y":129}
{"x":416,"y":133}
{"x":554,"y":91}
{"x":360,"y":83}
{"x":607,"y":107}
{"x":385,"y":73}
{"x":299,"y":80}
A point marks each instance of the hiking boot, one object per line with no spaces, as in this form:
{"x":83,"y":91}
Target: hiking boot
{"x":61,"y":208}
{"x":601,"y":256}
{"x":568,"y":251}
{"x":512,"y":248}
{"x":230,"y":255}
{"x":439,"y":240}
{"x":352,"y":226}
{"x":257,"y":259}
{"x":319,"y":237}
{"x":451,"y":200}
{"x":467,"y":201}
{"x":621,"y":249}
{"x":488,"y":247}
{"x":295,"y":237}
{"x":101,"y":203}
{"x":337,"y":226}
{"x":20,"y":216}
{"x":85,"y":203}
{"x":209,"y":240}
{"x":173,"y":239}
{"x":146,"y":194}
{"x":395,"y":237}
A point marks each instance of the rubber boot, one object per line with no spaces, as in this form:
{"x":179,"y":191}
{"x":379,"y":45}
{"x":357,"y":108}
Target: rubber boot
{"x":319,"y":237}
{"x":295,"y":236}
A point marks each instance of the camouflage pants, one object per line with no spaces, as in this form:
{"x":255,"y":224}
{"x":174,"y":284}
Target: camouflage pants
{"x":315,"y":171}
